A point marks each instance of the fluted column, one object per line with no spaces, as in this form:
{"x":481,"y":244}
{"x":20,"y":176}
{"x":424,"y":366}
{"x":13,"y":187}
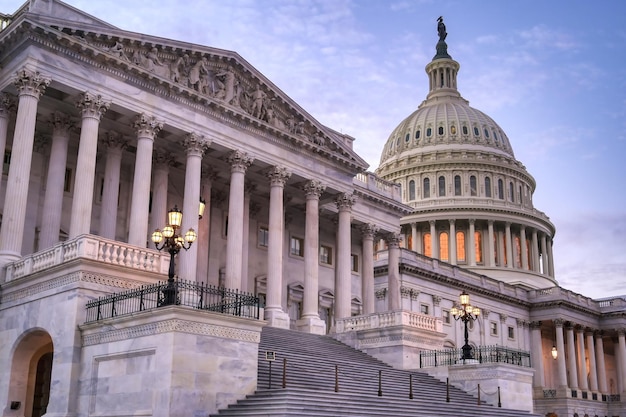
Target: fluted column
{"x":602,"y":385}
{"x":524,"y":249}
{"x":195,"y":145}
{"x":248,"y":207}
{"x":204,"y":226}
{"x":343,"y":270}
{"x":434,"y":243}
{"x":537,"y":354}
{"x":53,"y":196}
{"x":535,"y":251}
{"x":393,"y":275}
{"x":452,"y":241}
{"x":92,"y":108}
{"x":368,"y":231}
{"x":472,"y":242}
{"x":489,"y":245}
{"x":160,"y":181}
{"x":7,"y":105}
{"x":147,"y":128}
{"x":560,"y":347}
{"x":274,"y":313}
{"x":582,"y":364}
{"x":29,"y":240}
{"x":509,"y":246}
{"x":115,"y":145}
{"x":550,"y":258}
{"x":30,"y":86}
{"x":571,"y":357}
{"x":544,"y":256}
{"x":239,"y":163}
{"x":593,"y":369}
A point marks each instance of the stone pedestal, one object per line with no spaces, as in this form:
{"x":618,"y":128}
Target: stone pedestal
{"x":313,"y":325}
{"x":277,"y":318}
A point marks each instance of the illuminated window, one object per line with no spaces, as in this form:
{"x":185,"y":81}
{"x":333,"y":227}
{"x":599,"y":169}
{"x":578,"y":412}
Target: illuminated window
{"x":473,"y":187}
{"x":500,"y":189}
{"x":426,"y":243}
{"x":442,"y":186}
{"x":411,"y":190}
{"x":263,"y":237}
{"x":460,"y":246}
{"x":518,"y":252}
{"x":296,"y":246}
{"x":409,"y":242}
{"x":488,"y":187}
{"x":326,"y":255}
{"x":457,"y":185}
{"x":478,"y":246}
{"x":426,"y":188}
{"x":528,"y":254}
{"x":443,"y":246}
{"x":495,"y":248}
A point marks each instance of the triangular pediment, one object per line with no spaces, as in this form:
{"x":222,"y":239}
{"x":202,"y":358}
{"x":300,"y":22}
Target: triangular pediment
{"x":221,"y":81}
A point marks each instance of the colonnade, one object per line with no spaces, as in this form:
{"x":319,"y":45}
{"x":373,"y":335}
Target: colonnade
{"x":488,"y":243}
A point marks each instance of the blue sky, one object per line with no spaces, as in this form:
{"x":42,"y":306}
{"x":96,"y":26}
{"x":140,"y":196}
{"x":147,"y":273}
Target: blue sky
{"x":552,"y":74}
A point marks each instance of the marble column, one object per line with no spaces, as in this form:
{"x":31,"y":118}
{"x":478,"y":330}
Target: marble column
{"x":204,"y":226}
{"x":53,"y":197}
{"x":571,"y":357}
{"x":310,"y":321}
{"x":368,"y":231}
{"x":560,"y":347}
{"x":7,"y":106}
{"x":524,"y":248}
{"x":472,"y":242}
{"x":550,"y":258}
{"x":147,"y":128}
{"x":537,"y":354}
{"x":343,"y":270}
{"x":544,"y":256}
{"x":434,"y":244}
{"x":415,"y":246}
{"x":602,"y":385}
{"x":115,"y":145}
{"x":490,"y":244}
{"x":452,"y":242}
{"x":30,"y":86}
{"x":393,"y":274}
{"x":30,"y":238}
{"x":195,"y":145}
{"x":593,"y":369}
{"x":239,"y":163}
{"x":248,"y":207}
{"x":509,"y":245}
{"x":582,"y":364}
{"x":535,"y":251}
{"x":621,"y":345}
{"x":274,"y":313}
{"x":92,"y":108}
{"x":160,"y":181}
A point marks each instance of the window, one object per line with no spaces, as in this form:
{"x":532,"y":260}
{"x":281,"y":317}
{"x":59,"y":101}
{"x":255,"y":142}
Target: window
{"x":426,"y":188}
{"x":487,"y":187}
{"x":407,"y":138}
{"x":476,"y":131}
{"x":478,"y":246}
{"x":442,"y":186}
{"x":521,"y":200}
{"x":326,"y":255}
{"x":411,"y":190}
{"x":500,"y":189}
{"x":445,"y":316}
{"x":511,"y":332}
{"x":440,"y":130}
{"x":296,"y":246}
{"x":465,"y":131}
{"x":424,"y":308}
{"x":354,"y":260}
{"x":443,"y":246}
{"x":429,"y":132}
{"x":428,"y":250}
{"x":453,"y":129}
{"x":263,"y":237}
{"x":511,"y":193}
{"x":517,"y":246}
{"x":473,"y":188}
{"x":460,"y":246}
{"x":493,"y":328}
{"x":6,"y":162}
{"x":418,"y":134}
{"x":486,"y":133}
{"x":457,"y":185}
{"x":67,"y":182}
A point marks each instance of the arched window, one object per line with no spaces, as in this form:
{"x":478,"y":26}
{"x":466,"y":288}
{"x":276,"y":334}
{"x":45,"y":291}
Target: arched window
{"x":457,"y":185}
{"x":442,"y":186}
{"x":473,"y":190}
{"x":429,"y":132}
{"x":426,"y":189}
{"x":501,"y":189}
{"x":511,"y":193}
{"x":476,"y":131}
{"x":443,"y":246}
{"x":440,"y":130}
{"x":517,"y":246}
{"x":488,"y":187}
{"x":426,"y":244}
{"x":460,"y":246}
{"x":407,"y":138}
{"x":529,"y":255}
{"x":478,"y":246}
{"x":465,"y":131}
{"x":411,"y":190}
{"x":417,"y":134}
{"x":521,"y":199}
{"x":486,"y":133}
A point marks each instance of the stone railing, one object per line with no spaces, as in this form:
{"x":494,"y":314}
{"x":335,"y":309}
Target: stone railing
{"x":478,"y":202}
{"x":559,"y":293}
{"x":389,"y":319}
{"x":372,"y":182}
{"x":90,"y":247}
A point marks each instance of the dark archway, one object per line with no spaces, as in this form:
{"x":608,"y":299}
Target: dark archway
{"x":41,"y":393}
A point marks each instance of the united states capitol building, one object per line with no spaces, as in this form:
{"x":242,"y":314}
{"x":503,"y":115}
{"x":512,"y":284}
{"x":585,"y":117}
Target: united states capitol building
{"x":108,"y":134}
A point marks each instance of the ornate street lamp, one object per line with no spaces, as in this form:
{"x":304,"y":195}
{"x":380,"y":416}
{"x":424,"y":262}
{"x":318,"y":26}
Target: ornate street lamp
{"x":170,"y":240}
{"x":465,"y":313}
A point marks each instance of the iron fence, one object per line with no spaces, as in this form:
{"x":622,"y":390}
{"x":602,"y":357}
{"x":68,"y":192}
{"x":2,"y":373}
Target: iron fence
{"x":482,"y":354}
{"x":179,"y":292}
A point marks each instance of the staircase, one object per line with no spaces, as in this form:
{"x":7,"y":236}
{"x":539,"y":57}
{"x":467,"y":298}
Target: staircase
{"x":325,"y":377}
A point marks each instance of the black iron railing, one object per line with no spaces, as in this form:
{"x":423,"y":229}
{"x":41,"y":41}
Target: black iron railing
{"x":183,"y":293}
{"x":482,"y":354}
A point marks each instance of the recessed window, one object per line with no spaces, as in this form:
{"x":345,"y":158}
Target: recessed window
{"x":465,"y":131}
{"x":354,"y":260}
{"x":397,"y":142}
{"x":296,"y":246}
{"x":478,"y":246}
{"x":417,"y":134}
{"x":263,"y":237}
{"x":426,"y":188}
{"x":6,"y":162}
{"x":429,"y":132}
{"x":476,"y":132}
{"x":407,"y":138}
{"x":453,"y":129}
{"x":443,"y":246}
{"x":424,"y":309}
{"x":486,"y":133}
{"x":426,"y":242}
{"x":411,"y":190}
{"x":487,"y":187}
{"x":473,"y":189}
{"x":460,"y":246}
{"x":511,"y":332}
{"x":442,"y":186}
{"x":501,"y":189}
{"x":457,"y":185}
{"x":440,"y":130}
{"x":493,"y":328}
{"x":445,"y":316}
{"x":326,"y":255}
{"x":511,"y":193}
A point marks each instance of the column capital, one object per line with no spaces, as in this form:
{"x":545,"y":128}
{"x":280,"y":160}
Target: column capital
{"x":162,"y":159}
{"x":569,"y":325}
{"x":345,"y":201}
{"x":313,"y":189}
{"x":369,"y":230}
{"x":432,"y":222}
{"x":92,"y":105}
{"x":114,"y":140}
{"x":30,"y":83}
{"x":521,"y":322}
{"x":61,"y":123}
{"x":195,"y":144}
{"x":393,"y":240}
{"x":559,"y":322}
{"x":7,"y":104}
{"x":503,"y":317}
{"x":436,"y":300}
{"x":249,"y":187}
{"x":452,"y":221}
{"x":208,"y":174}
{"x":471,"y":221}
{"x":621,"y":331}
{"x":147,"y":126}
{"x":278,"y":176}
{"x":39,"y":144}
{"x":381,"y":293}
{"x":535,"y":324}
{"x":239,"y":161}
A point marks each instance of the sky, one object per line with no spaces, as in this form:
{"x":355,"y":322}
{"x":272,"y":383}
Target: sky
{"x":552,"y":74}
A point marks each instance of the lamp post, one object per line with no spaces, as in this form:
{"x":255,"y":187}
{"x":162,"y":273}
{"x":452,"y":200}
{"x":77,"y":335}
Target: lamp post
{"x":465,"y":313}
{"x":170,"y":240}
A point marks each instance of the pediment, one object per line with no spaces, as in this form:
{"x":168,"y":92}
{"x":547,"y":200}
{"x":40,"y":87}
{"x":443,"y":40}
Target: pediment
{"x":220,"y":81}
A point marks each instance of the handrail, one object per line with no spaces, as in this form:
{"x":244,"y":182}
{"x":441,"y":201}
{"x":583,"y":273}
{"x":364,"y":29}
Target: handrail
{"x":482,"y":354}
